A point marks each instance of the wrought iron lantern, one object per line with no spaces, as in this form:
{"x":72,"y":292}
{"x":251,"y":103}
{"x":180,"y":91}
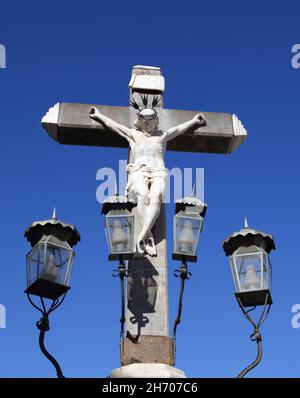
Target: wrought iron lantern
{"x":188,"y":223}
{"x":119,"y":227}
{"x":49,"y":266}
{"x":250,"y":265}
{"x":252,"y":273}
{"x":50,"y":261}
{"x":119,"y":230}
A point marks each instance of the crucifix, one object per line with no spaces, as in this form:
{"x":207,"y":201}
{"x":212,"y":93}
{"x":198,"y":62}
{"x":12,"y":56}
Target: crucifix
{"x":148,"y":130}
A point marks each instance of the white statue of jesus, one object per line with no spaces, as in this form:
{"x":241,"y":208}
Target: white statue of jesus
{"x":147,"y":175}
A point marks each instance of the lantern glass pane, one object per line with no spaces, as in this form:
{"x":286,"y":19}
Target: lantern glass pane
{"x":33,"y":265}
{"x":51,"y":260}
{"x":187,"y":229}
{"x":250,"y":269}
{"x":119,"y":231}
{"x":267,"y":272}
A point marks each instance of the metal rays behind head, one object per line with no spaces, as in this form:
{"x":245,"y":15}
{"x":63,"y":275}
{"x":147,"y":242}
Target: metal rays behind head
{"x":144,"y":98}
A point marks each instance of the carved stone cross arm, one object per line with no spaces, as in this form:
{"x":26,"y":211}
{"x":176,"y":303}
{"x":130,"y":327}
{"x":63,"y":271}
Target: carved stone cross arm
{"x":70,"y":124}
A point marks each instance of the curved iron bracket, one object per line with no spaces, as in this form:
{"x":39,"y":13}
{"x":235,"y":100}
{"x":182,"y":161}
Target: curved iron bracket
{"x":256,"y":335}
{"x":121,"y":272}
{"x":43,"y":325}
{"x":183,"y":274}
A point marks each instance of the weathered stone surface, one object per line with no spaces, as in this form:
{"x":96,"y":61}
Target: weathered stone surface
{"x":70,"y":124}
{"x":148,"y":349}
{"x":147,"y":288}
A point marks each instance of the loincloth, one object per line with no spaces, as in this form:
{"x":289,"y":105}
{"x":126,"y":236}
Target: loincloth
{"x":149,"y":173}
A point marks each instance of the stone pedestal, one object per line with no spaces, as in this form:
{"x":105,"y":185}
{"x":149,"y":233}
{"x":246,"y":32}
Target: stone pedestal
{"x":148,"y":371}
{"x":148,"y":349}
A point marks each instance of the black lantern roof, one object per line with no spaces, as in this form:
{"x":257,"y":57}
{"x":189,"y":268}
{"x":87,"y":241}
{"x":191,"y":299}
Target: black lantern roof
{"x":117,"y":202}
{"x":248,"y":237}
{"x":191,"y":201}
{"x":60,"y":229}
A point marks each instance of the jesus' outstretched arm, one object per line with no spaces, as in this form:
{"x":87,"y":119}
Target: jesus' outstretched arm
{"x":109,"y":123}
{"x":198,"y":120}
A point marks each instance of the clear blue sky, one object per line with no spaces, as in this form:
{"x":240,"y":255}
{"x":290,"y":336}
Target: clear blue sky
{"x":216,"y":56}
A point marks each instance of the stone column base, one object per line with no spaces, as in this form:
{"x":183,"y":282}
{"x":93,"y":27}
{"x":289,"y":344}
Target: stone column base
{"x":148,"y":371}
{"x":148,"y":349}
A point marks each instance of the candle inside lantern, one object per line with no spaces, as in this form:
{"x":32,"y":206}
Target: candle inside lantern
{"x":186,"y":238}
{"x":119,"y":238}
{"x":252,"y":281}
{"x":50,"y":271}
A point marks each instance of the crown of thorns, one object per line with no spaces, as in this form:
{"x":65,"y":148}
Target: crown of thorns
{"x":144,"y":98}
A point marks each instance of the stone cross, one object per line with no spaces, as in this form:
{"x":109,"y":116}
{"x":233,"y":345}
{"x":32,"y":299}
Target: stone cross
{"x":147,"y":323}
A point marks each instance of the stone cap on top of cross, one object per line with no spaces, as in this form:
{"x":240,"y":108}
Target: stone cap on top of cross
{"x":145,"y":69}
{"x":147,"y":79}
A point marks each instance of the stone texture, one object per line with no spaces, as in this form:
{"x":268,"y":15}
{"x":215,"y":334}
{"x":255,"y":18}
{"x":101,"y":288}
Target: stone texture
{"x":148,"y":349}
{"x":147,"y":288}
{"x":73,"y":126}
